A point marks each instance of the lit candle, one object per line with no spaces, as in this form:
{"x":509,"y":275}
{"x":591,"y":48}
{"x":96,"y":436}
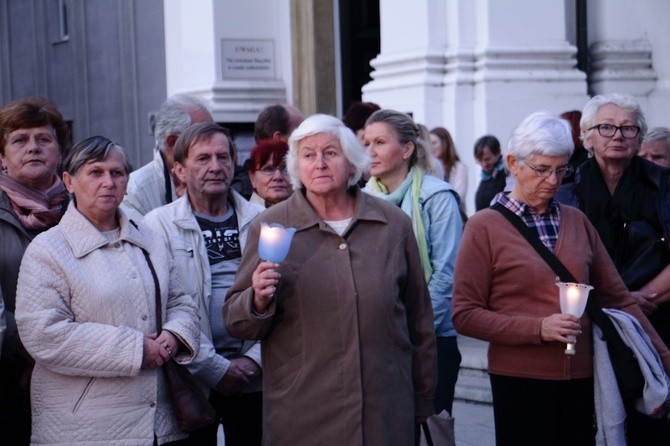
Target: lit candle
{"x":274,"y":242}
{"x":573,"y":296}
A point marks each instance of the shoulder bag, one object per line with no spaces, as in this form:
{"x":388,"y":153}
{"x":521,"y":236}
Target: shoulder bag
{"x":190,"y":405}
{"x":437,"y":430}
{"x":626,"y":367}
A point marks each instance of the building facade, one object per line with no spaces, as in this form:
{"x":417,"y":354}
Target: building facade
{"x":473,"y":66}
{"x":480,"y":66}
{"x":102,"y":62}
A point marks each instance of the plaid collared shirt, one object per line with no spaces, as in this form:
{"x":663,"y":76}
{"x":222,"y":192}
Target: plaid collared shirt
{"x":546,"y":225}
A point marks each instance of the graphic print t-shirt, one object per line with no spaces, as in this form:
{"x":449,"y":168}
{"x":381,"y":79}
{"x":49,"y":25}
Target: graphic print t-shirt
{"x":221,"y":236}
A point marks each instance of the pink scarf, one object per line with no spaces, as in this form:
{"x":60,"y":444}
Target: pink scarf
{"x":35,"y":209}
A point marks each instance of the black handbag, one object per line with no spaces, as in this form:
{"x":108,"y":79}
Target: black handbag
{"x":626,"y":367}
{"x":191,"y":408}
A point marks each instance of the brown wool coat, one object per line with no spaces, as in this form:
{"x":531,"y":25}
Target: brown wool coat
{"x":348,"y":343}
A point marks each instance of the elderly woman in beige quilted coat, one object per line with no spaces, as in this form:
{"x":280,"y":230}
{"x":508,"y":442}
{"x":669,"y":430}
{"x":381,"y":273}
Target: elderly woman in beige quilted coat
{"x":86,"y":311}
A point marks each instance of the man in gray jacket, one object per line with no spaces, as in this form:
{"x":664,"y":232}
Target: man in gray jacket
{"x":153,"y":184}
{"x":206,"y":231}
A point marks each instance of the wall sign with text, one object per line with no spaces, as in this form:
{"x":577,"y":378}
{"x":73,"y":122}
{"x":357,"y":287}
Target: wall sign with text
{"x":248,"y":59}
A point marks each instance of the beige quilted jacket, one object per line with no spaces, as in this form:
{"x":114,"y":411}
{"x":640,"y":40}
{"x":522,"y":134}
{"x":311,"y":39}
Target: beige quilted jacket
{"x":83,"y":307}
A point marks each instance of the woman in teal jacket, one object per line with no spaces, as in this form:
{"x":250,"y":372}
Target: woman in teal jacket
{"x":399,"y":162}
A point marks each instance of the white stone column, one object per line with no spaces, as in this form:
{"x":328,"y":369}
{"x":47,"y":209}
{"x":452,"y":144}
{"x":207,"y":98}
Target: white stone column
{"x":656,"y":29}
{"x":408,"y":73}
{"x":235,"y":53}
{"x":458,"y":96}
{"x":475,"y":66}
{"x":523,"y":63}
{"x":629,"y":52}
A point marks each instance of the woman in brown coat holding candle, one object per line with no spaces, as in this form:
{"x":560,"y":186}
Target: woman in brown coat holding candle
{"x":346,"y":321}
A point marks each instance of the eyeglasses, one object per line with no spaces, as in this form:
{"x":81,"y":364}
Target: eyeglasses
{"x":608,"y":130}
{"x":545,"y":172}
{"x":270,"y":170}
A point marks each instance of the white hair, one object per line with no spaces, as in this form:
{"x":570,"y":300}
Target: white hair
{"x":658,"y":134}
{"x":173,"y":116}
{"x":593,"y":106}
{"x":351,"y":147}
{"x":541,"y":133}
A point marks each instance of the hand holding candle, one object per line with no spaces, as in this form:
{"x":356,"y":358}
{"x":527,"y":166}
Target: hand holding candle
{"x":573,"y":297}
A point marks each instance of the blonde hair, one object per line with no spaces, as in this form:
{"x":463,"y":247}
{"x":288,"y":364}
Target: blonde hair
{"x":408,"y":131}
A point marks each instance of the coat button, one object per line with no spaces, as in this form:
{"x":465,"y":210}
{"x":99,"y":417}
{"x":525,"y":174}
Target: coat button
{"x":144,"y":317}
{"x":343,"y":246}
{"x":152,"y":405}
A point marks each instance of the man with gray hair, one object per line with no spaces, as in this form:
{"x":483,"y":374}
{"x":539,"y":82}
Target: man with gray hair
{"x":154,"y":184}
{"x":206,"y":232}
{"x":656,"y":146}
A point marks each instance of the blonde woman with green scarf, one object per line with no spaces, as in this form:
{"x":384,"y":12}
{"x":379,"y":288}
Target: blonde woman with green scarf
{"x":399,"y":162}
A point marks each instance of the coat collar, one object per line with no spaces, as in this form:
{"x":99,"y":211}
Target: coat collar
{"x":246,"y":211}
{"x":303,"y":216}
{"x":83,"y":238}
{"x":656,"y":175}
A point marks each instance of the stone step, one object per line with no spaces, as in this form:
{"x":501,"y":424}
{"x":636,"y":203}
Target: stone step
{"x":473,"y":383}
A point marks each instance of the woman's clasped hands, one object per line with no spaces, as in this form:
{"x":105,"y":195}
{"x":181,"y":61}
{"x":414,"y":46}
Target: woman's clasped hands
{"x":158,"y":349}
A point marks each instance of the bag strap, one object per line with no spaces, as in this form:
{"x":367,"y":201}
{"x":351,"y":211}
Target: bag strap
{"x":159,"y":317}
{"x":426,"y":433}
{"x":532,"y":238}
{"x":596,"y":313}
{"x":157,"y":287}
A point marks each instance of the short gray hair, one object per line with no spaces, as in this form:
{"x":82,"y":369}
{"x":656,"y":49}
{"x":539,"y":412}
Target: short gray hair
{"x":173,"y":116}
{"x":351,"y":147}
{"x":541,"y":133}
{"x":593,"y":106}
{"x":95,"y":148}
{"x":658,"y":134}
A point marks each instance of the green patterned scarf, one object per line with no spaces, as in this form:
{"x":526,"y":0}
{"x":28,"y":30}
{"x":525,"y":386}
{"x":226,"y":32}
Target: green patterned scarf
{"x":407,"y":198}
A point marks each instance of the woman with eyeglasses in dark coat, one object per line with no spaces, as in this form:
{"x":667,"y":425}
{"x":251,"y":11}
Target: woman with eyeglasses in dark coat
{"x":627,"y":198}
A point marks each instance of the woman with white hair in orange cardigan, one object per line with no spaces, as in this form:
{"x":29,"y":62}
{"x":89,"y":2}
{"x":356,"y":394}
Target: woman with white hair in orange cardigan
{"x":506,"y":294}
